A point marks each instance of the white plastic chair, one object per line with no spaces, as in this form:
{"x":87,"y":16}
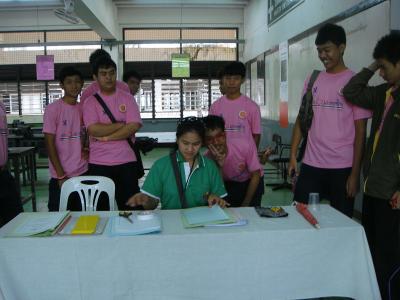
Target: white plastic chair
{"x":89,"y":189}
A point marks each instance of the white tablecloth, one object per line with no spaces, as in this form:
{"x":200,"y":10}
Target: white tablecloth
{"x":267,"y":259}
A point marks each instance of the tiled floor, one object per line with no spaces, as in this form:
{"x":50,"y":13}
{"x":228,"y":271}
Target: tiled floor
{"x":280,"y":197}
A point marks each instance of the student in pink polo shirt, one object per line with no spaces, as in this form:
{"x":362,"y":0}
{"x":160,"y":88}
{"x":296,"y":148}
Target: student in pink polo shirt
{"x":10,"y":202}
{"x":64,"y":136}
{"x":238,"y":160}
{"x":93,"y":88}
{"x":332,"y":159}
{"x":110,"y":152}
{"x":241,"y":114}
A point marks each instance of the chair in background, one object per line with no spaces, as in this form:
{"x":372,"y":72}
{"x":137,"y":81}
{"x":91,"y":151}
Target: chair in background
{"x":89,"y":189}
{"x":280,"y":159}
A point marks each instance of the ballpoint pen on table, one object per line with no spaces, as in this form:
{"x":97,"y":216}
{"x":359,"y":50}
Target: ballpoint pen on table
{"x":126,"y":215}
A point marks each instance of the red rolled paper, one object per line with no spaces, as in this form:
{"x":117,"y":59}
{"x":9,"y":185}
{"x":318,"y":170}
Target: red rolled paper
{"x":303,"y":210}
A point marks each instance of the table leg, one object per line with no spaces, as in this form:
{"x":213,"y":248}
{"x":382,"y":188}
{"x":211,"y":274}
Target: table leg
{"x":15,"y":164}
{"x":31,"y":168}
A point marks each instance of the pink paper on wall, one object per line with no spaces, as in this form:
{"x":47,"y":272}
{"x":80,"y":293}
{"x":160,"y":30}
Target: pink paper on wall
{"x":45,"y":67}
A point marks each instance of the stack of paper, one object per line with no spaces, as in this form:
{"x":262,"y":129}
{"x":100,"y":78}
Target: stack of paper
{"x":38,"y":224}
{"x":206,"y":216}
{"x":139,"y":225}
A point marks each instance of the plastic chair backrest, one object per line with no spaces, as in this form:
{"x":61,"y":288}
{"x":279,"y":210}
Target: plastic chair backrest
{"x":89,"y":189}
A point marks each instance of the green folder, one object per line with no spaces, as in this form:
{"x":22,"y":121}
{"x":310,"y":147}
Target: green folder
{"x":204,"y":215}
{"x":38,"y":224}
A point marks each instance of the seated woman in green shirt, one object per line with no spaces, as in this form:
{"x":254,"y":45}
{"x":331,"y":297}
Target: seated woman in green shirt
{"x":200,"y":177}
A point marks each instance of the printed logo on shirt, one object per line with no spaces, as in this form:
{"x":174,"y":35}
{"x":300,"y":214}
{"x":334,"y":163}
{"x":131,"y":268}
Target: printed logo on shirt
{"x":337,"y":104}
{"x":122,"y":108}
{"x":72,"y":136}
{"x":242,"y":114}
{"x":3,"y":131}
{"x":235,"y":128}
{"x":241,"y":169}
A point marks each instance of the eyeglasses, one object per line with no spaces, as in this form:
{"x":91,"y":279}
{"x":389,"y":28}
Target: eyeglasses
{"x":216,"y":138}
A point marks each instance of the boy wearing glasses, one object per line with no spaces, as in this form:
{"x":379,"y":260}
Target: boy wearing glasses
{"x":241,"y":114}
{"x":238,"y":160}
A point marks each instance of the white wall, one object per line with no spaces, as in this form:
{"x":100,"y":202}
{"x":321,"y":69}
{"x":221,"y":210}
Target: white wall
{"x":260,"y":37}
{"x":363,"y":30}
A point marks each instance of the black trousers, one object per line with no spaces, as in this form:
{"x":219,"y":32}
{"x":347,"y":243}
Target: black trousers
{"x":381,"y":224}
{"x":10,"y":200}
{"x":329,"y":183}
{"x":237,"y":191}
{"x":125,"y":180}
{"x":74,"y":202}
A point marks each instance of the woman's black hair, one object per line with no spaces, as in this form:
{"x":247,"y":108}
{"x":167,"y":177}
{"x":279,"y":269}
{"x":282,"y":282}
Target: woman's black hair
{"x":190,"y":124}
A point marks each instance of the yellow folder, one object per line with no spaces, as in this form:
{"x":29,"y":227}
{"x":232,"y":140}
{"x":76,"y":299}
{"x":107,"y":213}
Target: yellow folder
{"x":86,"y":224}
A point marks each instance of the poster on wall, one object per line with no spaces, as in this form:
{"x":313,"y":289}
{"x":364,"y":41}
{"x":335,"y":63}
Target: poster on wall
{"x":278,"y":8}
{"x":283,"y":90}
{"x":180,"y":65}
{"x":44,"y":67}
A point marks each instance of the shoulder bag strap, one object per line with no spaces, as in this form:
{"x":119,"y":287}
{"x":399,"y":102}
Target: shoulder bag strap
{"x":111,"y":117}
{"x":178,"y":179}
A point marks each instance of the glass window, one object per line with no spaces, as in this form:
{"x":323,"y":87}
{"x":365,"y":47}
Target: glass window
{"x":144,"y":99}
{"x":33,"y":97}
{"x":9,"y":96}
{"x":150,"y":52}
{"x":215,"y":92}
{"x":55,"y":91}
{"x":157,"y":51}
{"x":167,"y":98}
{"x":195,"y":97}
{"x":210,"y":51}
{"x":72,"y":53}
{"x":16,"y":55}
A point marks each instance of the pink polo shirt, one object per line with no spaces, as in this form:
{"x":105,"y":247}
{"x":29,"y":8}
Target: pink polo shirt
{"x":65,"y":122}
{"x":3,"y":135}
{"x":330,"y":142}
{"x":125,"y":110}
{"x":93,"y":88}
{"x":242,"y":116}
{"x":241,"y":160}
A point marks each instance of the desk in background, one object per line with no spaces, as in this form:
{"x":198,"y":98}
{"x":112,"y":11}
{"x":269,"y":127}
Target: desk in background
{"x":23,"y":162}
{"x":282,"y":258}
{"x":165,"y":139}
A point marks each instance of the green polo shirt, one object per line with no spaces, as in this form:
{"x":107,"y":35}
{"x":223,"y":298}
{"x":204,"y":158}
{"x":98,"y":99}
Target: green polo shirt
{"x":160,"y":183}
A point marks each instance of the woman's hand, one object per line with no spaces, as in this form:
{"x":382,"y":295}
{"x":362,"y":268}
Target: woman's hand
{"x":214,"y":199}
{"x":138,"y":199}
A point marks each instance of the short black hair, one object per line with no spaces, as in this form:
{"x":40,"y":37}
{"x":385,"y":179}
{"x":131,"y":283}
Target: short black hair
{"x":388,"y":47}
{"x":69,"y":71}
{"x":331,"y":33}
{"x":220,"y":74}
{"x":235,"y":68}
{"x":131,"y":73}
{"x":191,"y":124}
{"x":212,"y":122}
{"x":95,"y":55}
{"x":103,"y":62}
